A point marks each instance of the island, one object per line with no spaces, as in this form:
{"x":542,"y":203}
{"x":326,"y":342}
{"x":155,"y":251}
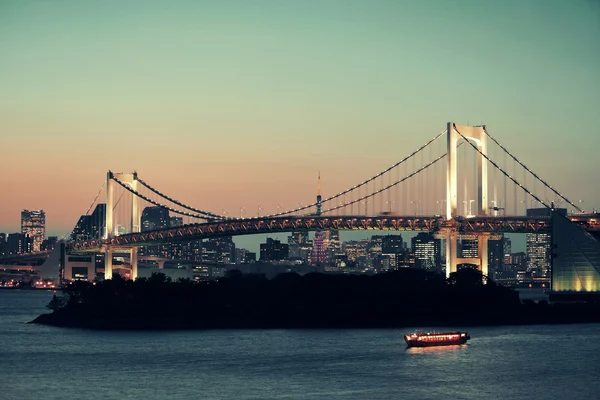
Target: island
{"x":400,"y":298}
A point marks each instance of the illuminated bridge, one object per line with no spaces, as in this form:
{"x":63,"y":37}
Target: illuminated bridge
{"x":494,"y":193}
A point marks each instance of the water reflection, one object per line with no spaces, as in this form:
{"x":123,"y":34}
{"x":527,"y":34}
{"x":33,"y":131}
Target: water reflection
{"x":436,"y":349}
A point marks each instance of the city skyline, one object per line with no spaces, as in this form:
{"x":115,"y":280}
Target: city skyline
{"x":307,"y":89}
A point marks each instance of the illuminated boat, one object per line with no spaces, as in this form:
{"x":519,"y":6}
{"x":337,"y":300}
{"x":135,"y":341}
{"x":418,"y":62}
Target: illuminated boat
{"x":436,"y":339}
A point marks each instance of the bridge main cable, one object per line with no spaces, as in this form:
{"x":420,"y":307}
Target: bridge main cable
{"x":530,"y":171}
{"x":164,"y":196}
{"x":141,"y":196}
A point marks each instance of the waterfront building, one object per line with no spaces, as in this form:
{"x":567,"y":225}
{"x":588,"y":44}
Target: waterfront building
{"x":18,"y":243}
{"x":33,"y":223}
{"x":538,"y":245}
{"x":50,"y":243}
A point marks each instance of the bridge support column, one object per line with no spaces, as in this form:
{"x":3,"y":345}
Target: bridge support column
{"x":133,"y":259}
{"x":452,"y":259}
{"x":108,"y":263}
{"x":108,"y":224}
{"x":451,"y":253}
{"x":482,"y":252}
{"x":161,"y":264}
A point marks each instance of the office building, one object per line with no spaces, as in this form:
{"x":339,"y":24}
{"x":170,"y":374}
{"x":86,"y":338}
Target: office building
{"x":427,"y":251}
{"x":538,"y":245}
{"x":273,"y":250}
{"x":91,"y":226}
{"x":33,"y":223}
{"x":219,"y":250}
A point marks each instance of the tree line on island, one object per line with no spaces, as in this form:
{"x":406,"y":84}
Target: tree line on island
{"x":406,"y":297}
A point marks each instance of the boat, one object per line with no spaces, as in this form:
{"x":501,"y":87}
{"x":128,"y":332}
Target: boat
{"x":436,"y":339}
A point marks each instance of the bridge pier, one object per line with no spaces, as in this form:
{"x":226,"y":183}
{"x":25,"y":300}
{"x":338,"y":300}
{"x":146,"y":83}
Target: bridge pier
{"x":133,"y":259}
{"x":482,"y":250}
{"x":108,"y":263}
{"x":452,"y":259}
{"x":451,"y":252}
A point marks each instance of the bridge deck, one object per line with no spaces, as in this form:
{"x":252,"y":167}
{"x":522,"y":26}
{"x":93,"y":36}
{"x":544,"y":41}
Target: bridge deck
{"x":236,"y":227}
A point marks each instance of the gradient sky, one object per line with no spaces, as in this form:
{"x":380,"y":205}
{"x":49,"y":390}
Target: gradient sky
{"x":225,"y":104}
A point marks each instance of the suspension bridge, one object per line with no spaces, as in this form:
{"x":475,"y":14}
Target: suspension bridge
{"x":422,"y":192}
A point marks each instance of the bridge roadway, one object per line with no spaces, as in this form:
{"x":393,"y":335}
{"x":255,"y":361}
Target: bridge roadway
{"x":249,"y":226}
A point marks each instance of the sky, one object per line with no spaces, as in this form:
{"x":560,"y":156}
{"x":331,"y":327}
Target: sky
{"x":225,"y":104}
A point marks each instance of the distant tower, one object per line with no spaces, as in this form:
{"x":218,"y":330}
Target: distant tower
{"x":319,"y":198}
{"x":318,"y":252}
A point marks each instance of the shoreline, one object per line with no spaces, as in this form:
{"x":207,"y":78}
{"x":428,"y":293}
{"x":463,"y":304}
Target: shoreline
{"x":401,"y":298}
{"x":572,"y":314}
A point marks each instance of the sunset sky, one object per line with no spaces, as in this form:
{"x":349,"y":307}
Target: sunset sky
{"x":225,"y":104}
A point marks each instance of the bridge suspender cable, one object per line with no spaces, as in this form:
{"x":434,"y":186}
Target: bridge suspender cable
{"x":398,"y":181}
{"x":531,"y":172}
{"x":206,"y":213}
{"x":360,"y":184}
{"x":500,"y":169}
{"x":387,"y":187}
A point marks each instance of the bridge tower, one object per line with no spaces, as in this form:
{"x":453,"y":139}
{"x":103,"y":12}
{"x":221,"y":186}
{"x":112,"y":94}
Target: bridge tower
{"x":478,"y":135}
{"x":131,"y":181}
{"x":110,"y":229}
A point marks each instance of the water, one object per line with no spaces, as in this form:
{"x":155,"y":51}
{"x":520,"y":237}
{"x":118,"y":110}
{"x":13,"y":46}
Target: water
{"x":524,"y":362}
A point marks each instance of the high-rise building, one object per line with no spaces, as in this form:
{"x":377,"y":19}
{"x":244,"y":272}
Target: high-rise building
{"x":33,"y":223}
{"x":243,"y":256}
{"x":155,"y":218}
{"x":273,"y":250}
{"x":19,"y":243}
{"x":468,"y":248}
{"x":427,"y":251}
{"x":50,"y":243}
{"x":375,"y":253}
{"x":91,"y":226}
{"x":176,"y":249}
{"x":538,"y":245}
{"x":357,"y":254}
{"x":296,"y":241}
{"x":496,"y":252}
{"x":318,"y":255}
{"x":332,"y":244}
{"x":219,"y":250}
{"x":392,"y":250}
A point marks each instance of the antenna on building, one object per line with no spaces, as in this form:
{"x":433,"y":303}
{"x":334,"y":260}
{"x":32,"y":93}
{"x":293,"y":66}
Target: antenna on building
{"x":319,"y":198}
{"x":319,"y":184}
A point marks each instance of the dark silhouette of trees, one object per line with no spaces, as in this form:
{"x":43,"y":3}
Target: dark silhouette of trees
{"x":398,"y":298}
